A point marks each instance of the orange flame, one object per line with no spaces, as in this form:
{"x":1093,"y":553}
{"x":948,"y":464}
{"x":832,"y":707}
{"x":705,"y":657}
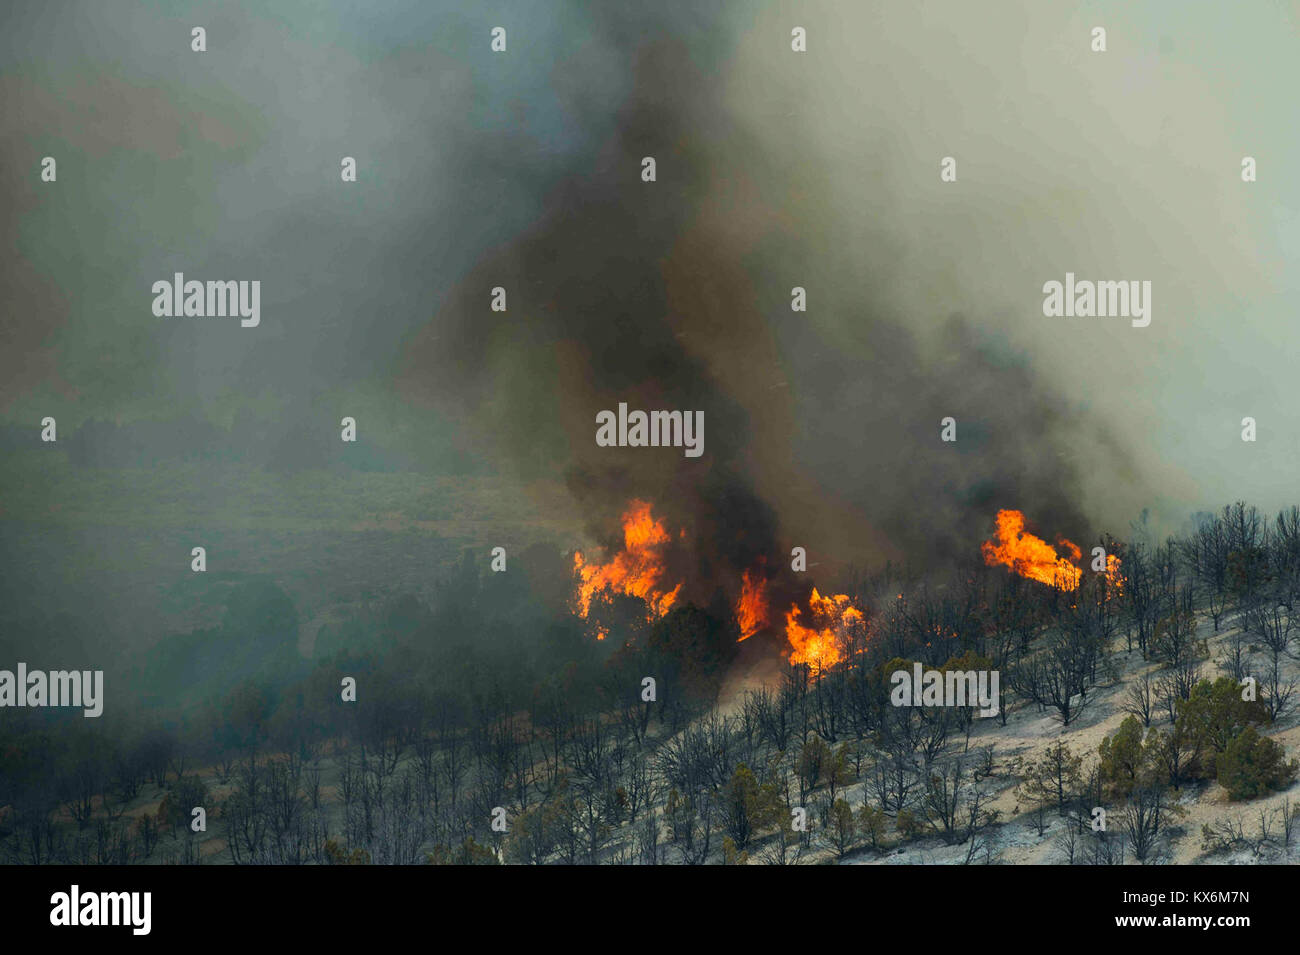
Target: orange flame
{"x":1031,"y":556}
{"x":636,"y":571}
{"x":822,"y":644}
{"x":1113,"y":579}
{"x":751,"y":608}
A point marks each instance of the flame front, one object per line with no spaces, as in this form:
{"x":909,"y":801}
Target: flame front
{"x":823,"y":642}
{"x":637,"y":571}
{"x":751,"y":608}
{"x":1034,"y":558}
{"x":1031,"y":556}
{"x":1113,"y":578}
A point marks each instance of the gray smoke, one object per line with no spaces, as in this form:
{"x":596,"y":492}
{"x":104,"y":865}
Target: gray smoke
{"x":676,"y":295}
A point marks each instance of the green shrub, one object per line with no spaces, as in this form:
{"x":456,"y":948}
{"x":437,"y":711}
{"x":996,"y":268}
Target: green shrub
{"x":1253,"y":765}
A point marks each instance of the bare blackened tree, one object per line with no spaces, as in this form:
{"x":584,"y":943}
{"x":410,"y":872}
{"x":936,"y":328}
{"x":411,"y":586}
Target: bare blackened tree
{"x":84,"y":777}
{"x":956,"y":806}
{"x":1271,"y":623}
{"x":638,"y":789}
{"x":286,"y":808}
{"x":771,"y":716}
{"x":245,"y":816}
{"x":691,"y":820}
{"x":941,"y":800}
{"x":634,"y":713}
{"x":829,"y":703}
{"x":1206,"y":553}
{"x":155,"y":753}
{"x":1174,"y":638}
{"x":1059,"y":675}
{"x":552,"y":717}
{"x":1144,"y":817}
{"x":1140,"y":700}
{"x":896,"y":772}
{"x":1171,"y":686}
{"x":1142,"y":593}
{"x":1247,"y":535}
{"x":648,"y":840}
{"x":1100,"y":848}
{"x":1237,"y":655}
{"x":1284,"y":556}
{"x":1004,"y":640}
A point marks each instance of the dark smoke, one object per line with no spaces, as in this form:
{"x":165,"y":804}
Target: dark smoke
{"x":632,"y":291}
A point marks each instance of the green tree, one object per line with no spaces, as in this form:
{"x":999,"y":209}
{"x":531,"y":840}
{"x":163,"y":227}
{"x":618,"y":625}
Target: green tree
{"x":843,"y":830}
{"x":731,"y":855}
{"x":536,"y":833}
{"x":1253,"y":765}
{"x":1175,"y":752}
{"x":468,"y":852}
{"x":1049,"y":781}
{"x":1213,"y":715}
{"x":748,"y":806}
{"x":907,"y":824}
{"x":815,"y":760}
{"x":336,"y":854}
{"x":1122,"y":757}
{"x":871,"y":823}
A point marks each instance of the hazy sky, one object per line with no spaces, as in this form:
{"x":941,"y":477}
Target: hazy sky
{"x":1123,"y":164}
{"x":818,"y":169}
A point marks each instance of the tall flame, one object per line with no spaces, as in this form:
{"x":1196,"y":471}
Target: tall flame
{"x":823,"y":642}
{"x":751,"y":608}
{"x":636,"y":571}
{"x":1031,"y":556}
{"x":1113,"y":577}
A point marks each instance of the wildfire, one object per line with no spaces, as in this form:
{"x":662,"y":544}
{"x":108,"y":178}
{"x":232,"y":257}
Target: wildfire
{"x":636,"y":571}
{"x":821,"y":633}
{"x":1113,"y":578}
{"x":823,"y":642}
{"x":1033,"y":557}
{"x":751,"y":608}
